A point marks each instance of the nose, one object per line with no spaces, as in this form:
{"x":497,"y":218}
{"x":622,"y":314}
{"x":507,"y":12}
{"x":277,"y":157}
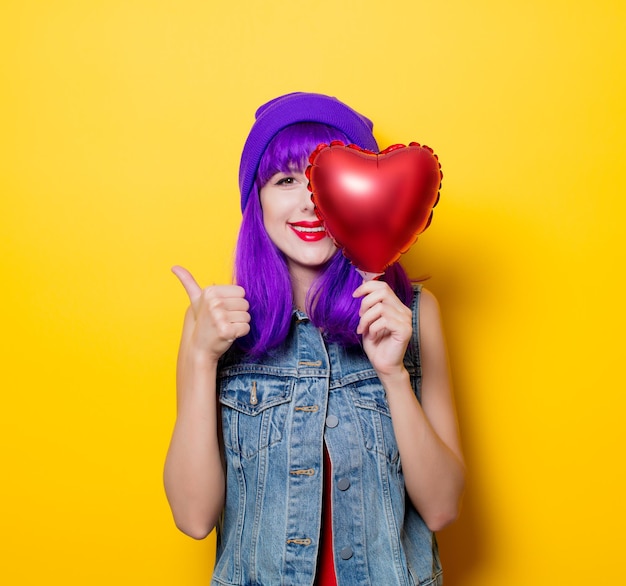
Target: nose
{"x":306,"y":202}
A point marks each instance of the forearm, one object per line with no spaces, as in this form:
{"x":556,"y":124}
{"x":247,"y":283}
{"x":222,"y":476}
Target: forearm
{"x":193,"y":475}
{"x":434,"y":475}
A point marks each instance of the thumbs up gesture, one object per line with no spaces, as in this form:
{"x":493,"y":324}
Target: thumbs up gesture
{"x":218,"y":315}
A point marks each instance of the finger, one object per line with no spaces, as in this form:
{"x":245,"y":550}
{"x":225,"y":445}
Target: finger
{"x":394,"y":318}
{"x":224,"y":292}
{"x":242,"y":330}
{"x":238,"y":317}
{"x":379,"y":328}
{"x":194,"y":291}
{"x":368,"y":287}
{"x":369,"y":317}
{"x":384,"y":297}
{"x":232,"y":331}
{"x":375,"y":292}
{"x":371,"y":300}
{"x":224,"y":301}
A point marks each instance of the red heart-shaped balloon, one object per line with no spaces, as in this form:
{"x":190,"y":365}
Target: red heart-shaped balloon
{"x":374,"y":205}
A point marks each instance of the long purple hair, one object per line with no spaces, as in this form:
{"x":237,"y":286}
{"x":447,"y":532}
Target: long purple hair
{"x":261,"y":269}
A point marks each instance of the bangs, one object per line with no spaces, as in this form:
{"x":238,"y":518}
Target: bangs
{"x":290,"y":149}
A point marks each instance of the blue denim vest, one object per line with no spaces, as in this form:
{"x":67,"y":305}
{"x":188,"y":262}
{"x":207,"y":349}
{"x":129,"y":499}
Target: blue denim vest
{"x":276,"y":415}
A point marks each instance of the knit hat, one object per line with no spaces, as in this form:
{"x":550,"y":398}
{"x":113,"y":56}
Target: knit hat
{"x":293,"y":108}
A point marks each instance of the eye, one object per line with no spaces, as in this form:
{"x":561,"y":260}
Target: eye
{"x":285,"y":180}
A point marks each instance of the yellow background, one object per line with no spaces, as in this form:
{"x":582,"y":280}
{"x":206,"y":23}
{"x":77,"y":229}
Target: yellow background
{"x":121,"y":126}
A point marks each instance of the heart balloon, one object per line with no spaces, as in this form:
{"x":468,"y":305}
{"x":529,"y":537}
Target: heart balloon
{"x":374,"y":205}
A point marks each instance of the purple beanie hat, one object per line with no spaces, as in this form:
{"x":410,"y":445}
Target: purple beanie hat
{"x":289,"y":109}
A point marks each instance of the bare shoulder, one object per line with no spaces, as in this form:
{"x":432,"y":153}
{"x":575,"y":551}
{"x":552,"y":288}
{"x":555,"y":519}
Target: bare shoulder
{"x":430,"y":314}
{"x":432,"y":338}
{"x":428,"y":300}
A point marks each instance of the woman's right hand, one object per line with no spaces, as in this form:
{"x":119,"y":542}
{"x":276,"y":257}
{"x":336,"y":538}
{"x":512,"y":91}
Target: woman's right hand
{"x":194,"y":470}
{"x":219,"y":315}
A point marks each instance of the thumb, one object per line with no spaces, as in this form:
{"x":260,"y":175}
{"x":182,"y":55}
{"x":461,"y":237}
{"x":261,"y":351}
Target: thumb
{"x":194,"y":291}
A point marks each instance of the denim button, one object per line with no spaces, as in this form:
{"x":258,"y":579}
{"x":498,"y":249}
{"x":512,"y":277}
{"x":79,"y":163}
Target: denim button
{"x":332,"y":421}
{"x":346,"y":553}
{"x":343,"y":484}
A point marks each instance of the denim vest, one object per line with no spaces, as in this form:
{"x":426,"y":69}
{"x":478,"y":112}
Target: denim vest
{"x":276,"y":415}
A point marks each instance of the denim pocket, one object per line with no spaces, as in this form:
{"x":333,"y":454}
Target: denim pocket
{"x":374,"y":417}
{"x":254,"y":411}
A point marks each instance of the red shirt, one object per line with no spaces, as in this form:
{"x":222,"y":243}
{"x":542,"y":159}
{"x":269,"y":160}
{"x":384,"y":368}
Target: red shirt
{"x":325,"y":563}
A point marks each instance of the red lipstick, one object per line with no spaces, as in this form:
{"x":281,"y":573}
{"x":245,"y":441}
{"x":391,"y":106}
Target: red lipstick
{"x":309,"y":231}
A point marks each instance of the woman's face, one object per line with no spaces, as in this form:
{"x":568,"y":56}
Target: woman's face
{"x":292,"y":225}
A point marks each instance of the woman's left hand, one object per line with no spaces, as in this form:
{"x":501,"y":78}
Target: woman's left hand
{"x":385,"y":326}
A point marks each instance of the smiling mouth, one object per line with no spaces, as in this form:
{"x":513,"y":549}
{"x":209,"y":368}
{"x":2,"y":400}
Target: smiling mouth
{"x":309,"y":231}
{"x":306,"y":229}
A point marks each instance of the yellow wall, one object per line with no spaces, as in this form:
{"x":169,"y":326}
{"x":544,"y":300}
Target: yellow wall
{"x":121,"y":125}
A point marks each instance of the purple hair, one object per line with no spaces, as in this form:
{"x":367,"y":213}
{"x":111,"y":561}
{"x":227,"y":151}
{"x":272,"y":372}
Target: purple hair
{"x":329,"y":303}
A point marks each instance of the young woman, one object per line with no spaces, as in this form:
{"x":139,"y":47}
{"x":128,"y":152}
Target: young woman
{"x":316,"y":427}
